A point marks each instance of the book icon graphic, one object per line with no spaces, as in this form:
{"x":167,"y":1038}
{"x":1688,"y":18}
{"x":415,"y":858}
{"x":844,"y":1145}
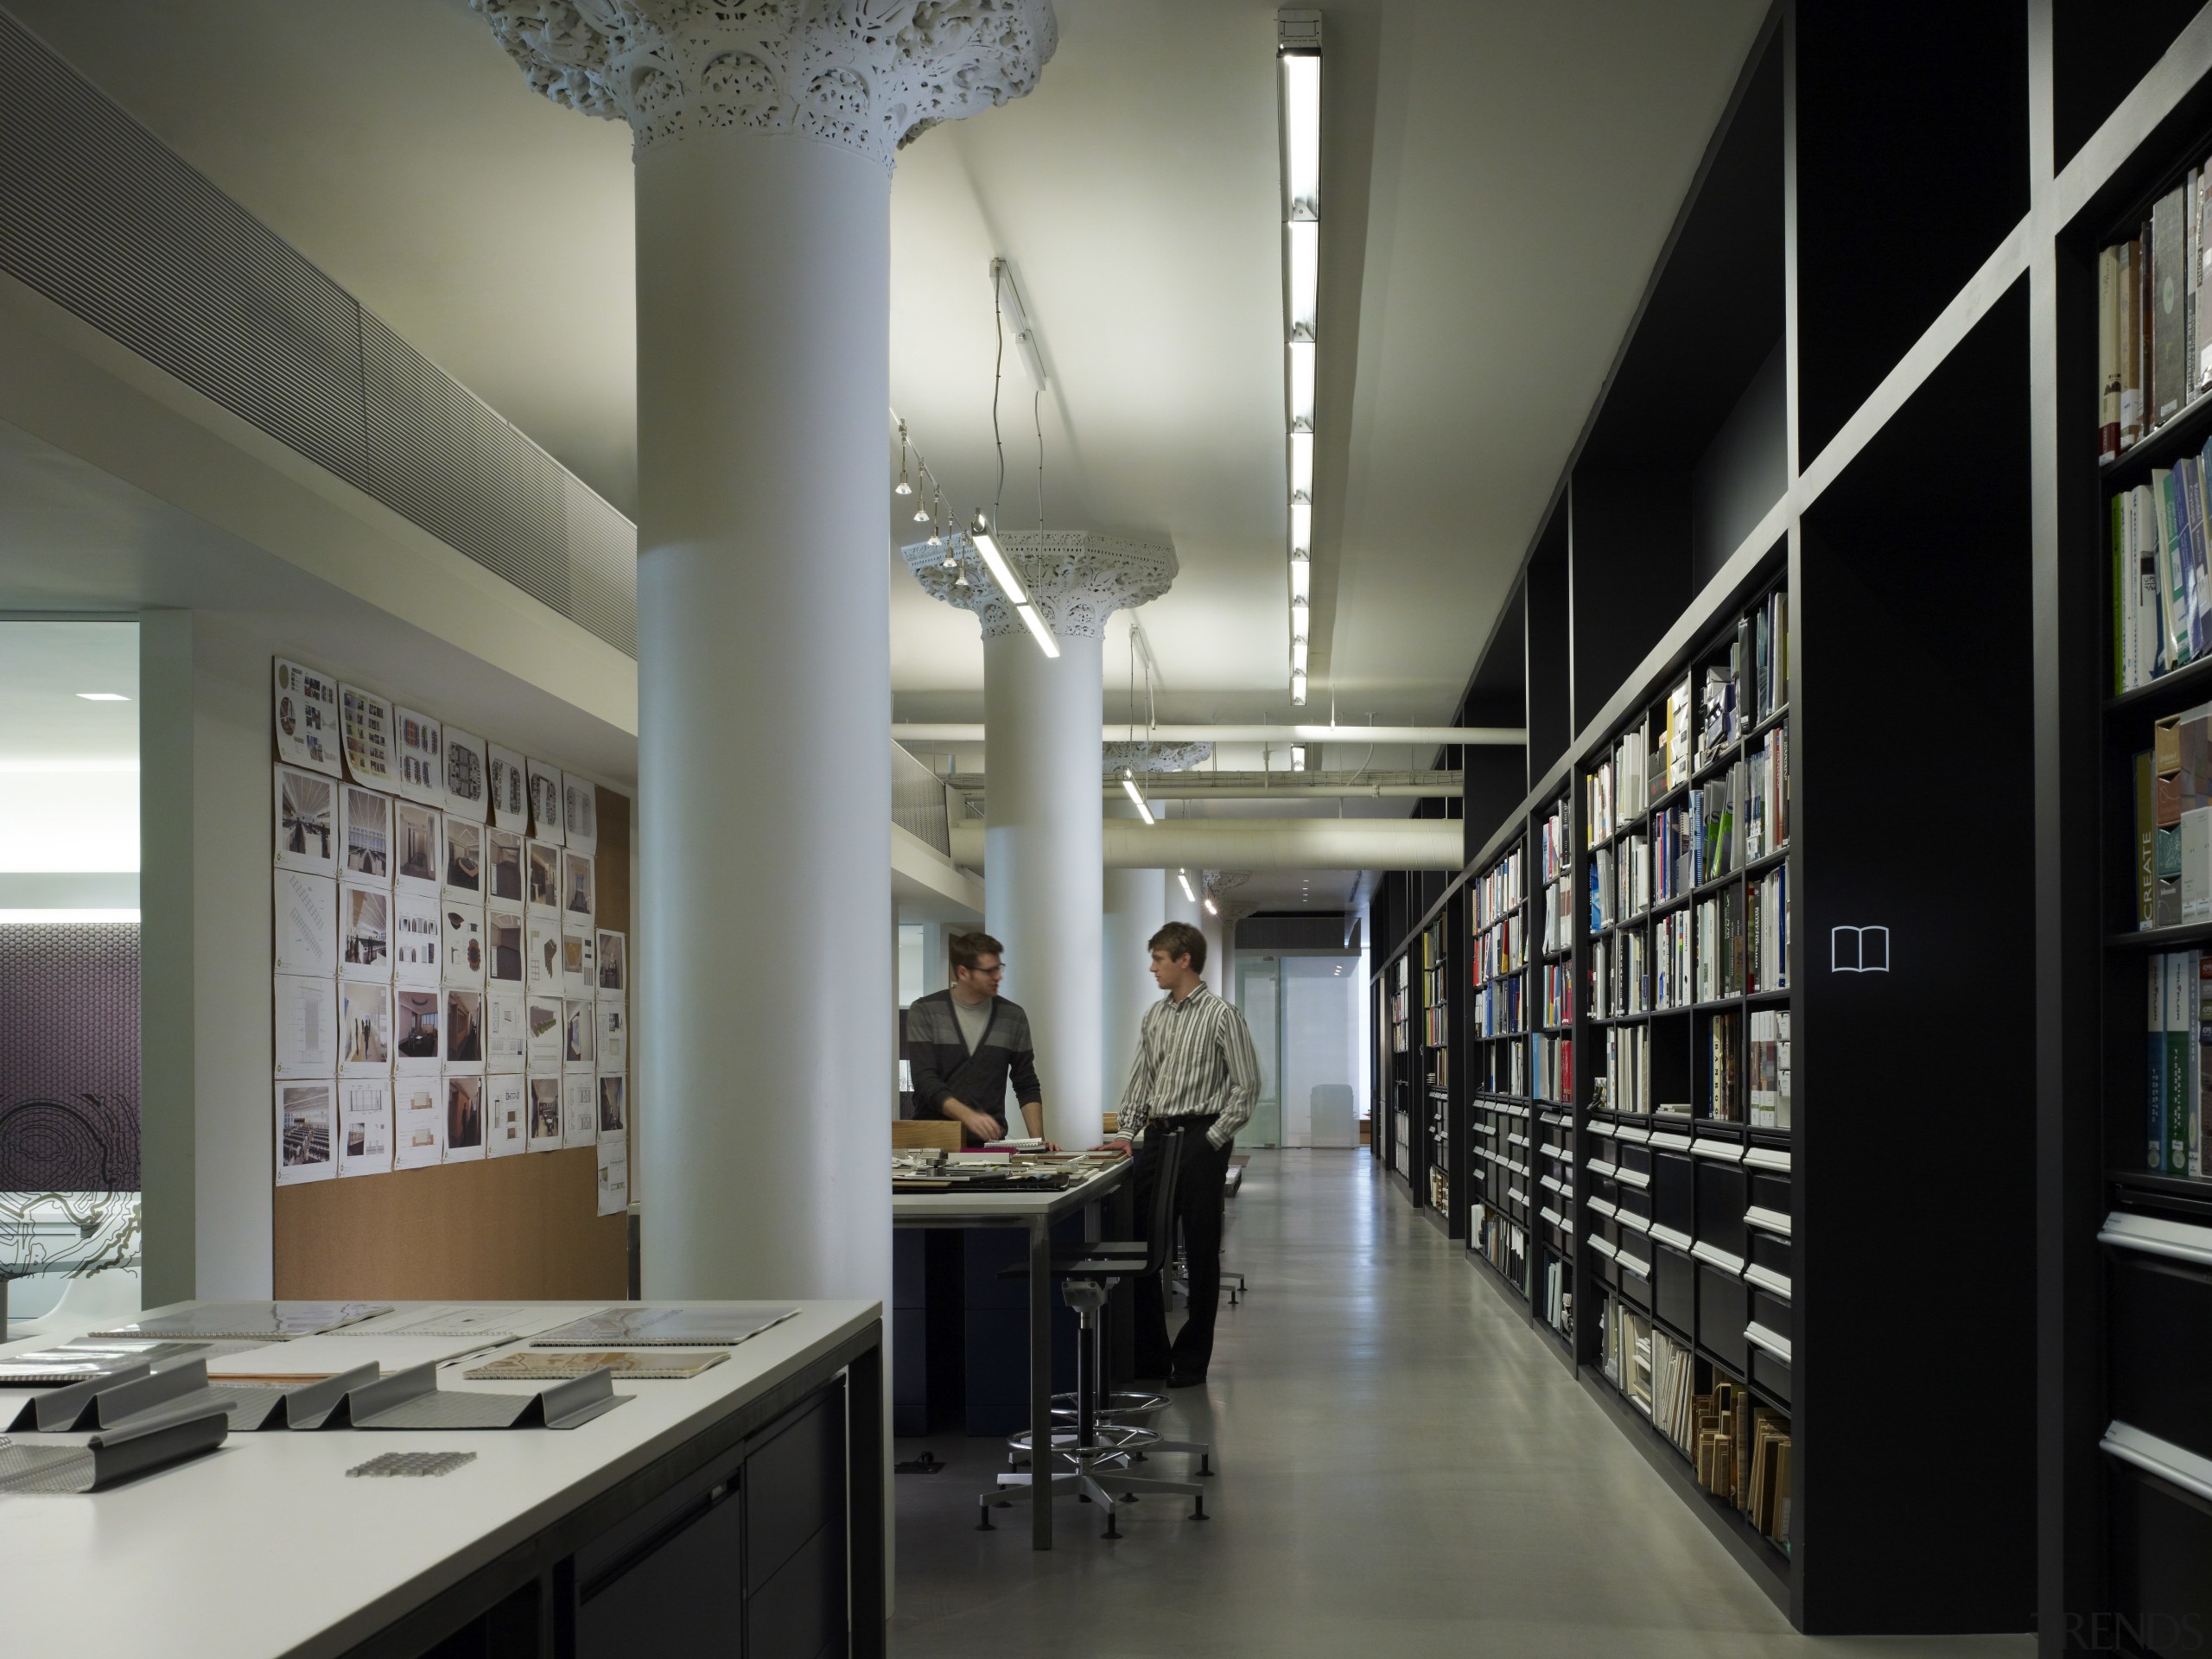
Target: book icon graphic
{"x":1859,"y":950}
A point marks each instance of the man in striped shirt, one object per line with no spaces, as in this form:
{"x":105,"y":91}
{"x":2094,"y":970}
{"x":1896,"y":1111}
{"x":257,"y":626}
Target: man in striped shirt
{"x":1195,"y":1078}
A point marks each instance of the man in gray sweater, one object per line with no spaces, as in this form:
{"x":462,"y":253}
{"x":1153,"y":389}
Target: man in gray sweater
{"x":964,"y":1042}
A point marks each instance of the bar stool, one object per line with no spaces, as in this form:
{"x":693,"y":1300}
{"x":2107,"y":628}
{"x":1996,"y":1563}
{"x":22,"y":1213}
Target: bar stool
{"x":1093,"y":1457}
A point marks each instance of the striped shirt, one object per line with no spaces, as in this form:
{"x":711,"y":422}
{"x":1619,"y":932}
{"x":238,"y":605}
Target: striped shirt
{"x":1194,"y":1060}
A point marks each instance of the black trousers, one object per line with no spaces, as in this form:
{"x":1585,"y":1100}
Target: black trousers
{"x":1198,"y":1193}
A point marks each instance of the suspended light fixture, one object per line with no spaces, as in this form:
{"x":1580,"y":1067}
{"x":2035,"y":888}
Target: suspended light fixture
{"x":1298,"y":757}
{"x":1211,"y":908}
{"x":1184,"y":876}
{"x":1129,"y":788}
{"x":937,"y":528}
{"x":902,"y":487}
{"x":1298,"y":66}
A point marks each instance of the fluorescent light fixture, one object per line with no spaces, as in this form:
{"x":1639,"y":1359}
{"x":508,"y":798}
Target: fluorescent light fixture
{"x":1037,"y":630}
{"x":102,"y":696}
{"x":1211,"y":908}
{"x":1298,"y":688}
{"x":1298,"y":657}
{"x":1302,"y":384}
{"x":1184,"y":876}
{"x":52,"y":918}
{"x":1302,"y":467}
{"x":1299,"y":612}
{"x":1002,"y":573}
{"x":1129,"y":787}
{"x":1301,"y":240}
{"x":1301,"y":581}
{"x":1301,"y":530}
{"x":1301,"y":133}
{"x":1298,"y":757}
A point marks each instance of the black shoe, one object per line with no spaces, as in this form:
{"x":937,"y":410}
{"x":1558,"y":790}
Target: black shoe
{"x":1186,"y":1379}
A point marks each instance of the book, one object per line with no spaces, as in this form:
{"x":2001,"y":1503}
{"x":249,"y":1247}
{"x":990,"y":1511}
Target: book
{"x":267,"y":1321}
{"x":717,"y":1326}
{"x":2109,"y":352}
{"x":2168,"y":256}
{"x":2130,"y":308}
{"x":2146,"y":877}
{"x":627,"y":1364}
{"x":2183,"y":971}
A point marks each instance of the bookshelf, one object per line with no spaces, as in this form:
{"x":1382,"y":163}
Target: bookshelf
{"x":1887,"y":460}
{"x":2126,"y":1425}
{"x":1501,"y":929}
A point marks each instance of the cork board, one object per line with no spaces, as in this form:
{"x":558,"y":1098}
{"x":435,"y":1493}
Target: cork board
{"x":500,"y":1229}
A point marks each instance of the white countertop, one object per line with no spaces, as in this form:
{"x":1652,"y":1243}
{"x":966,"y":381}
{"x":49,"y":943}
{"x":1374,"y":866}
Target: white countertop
{"x":264,"y":1548}
{"x":955,"y":1205}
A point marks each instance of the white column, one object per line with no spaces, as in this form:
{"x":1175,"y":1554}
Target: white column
{"x":1042,"y":874}
{"x":764,"y":137}
{"x":1136,"y":904}
{"x":1043,"y":891}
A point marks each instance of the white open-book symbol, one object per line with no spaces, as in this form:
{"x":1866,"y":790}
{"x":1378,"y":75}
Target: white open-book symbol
{"x":1859,"y":950}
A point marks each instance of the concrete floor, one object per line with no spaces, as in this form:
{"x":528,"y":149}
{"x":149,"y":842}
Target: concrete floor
{"x":1405,"y":1469}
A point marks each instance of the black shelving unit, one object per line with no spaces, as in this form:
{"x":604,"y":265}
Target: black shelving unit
{"x":1500,"y":934}
{"x":1861,"y":385}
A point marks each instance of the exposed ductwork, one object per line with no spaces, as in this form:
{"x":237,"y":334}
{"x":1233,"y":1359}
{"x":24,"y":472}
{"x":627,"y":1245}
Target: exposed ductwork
{"x":1431,"y":736}
{"x":1262,"y":844}
{"x":1263,"y":785}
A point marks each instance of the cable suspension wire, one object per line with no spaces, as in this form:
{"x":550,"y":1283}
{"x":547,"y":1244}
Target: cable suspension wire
{"x":998,"y":368}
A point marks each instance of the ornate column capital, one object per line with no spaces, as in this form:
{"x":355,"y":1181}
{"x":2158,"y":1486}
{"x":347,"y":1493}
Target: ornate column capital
{"x":1075,"y":578}
{"x":1153,"y":757}
{"x":869,"y":75}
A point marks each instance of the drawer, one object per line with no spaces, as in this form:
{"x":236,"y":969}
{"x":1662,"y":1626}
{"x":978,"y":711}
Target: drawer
{"x":679,"y":1590}
{"x":802,"y":1608}
{"x":1770,"y":1190}
{"x":2160,"y":1350}
{"x":1721,"y":1198}
{"x":1771,"y":1373}
{"x":2161,"y":1595}
{"x":1673,"y":1201}
{"x":1676,"y":1285}
{"x":1721,"y":1305}
{"x":795,"y":1483}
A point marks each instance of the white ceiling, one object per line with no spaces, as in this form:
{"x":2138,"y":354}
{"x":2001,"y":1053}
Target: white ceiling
{"x":1498,"y":179}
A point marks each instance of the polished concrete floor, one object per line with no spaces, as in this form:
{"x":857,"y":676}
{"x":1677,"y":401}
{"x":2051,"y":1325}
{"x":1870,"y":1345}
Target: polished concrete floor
{"x":1405,"y":1468}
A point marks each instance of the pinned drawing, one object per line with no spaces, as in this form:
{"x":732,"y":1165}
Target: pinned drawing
{"x":307,"y":719}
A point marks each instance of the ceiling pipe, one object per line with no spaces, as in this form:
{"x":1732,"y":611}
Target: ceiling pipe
{"x":1262,"y":844}
{"x":1264,"y":786}
{"x":1431,"y":736}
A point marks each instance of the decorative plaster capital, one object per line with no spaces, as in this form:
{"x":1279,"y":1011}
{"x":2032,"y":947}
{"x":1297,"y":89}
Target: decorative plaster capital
{"x":1153,"y":757}
{"x":1075,"y":578}
{"x":869,"y":75}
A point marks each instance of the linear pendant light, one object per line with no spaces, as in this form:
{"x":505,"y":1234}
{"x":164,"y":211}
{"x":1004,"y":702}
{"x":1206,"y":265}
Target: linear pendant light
{"x":1297,"y":62}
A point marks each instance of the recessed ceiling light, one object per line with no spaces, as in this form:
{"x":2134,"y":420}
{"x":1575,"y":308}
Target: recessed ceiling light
{"x":102,"y":696}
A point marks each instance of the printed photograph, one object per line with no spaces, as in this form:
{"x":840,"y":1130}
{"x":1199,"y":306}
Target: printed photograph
{"x":307,"y":718}
{"x":415,"y":1026}
{"x":509,"y":794}
{"x":421,"y":769}
{"x":416,"y":849}
{"x":576,"y":965}
{"x":418,"y":1137}
{"x":503,"y":853}
{"x":545,"y":954}
{"x":307,"y":830}
{"x":418,"y":927}
{"x":464,"y":1114}
{"x":502,"y":934}
{"x":614,"y":1034}
{"x":580,"y":803}
{"x":506,"y":1131}
{"x":576,"y":1042}
{"x":545,"y":804}
{"x":544,"y":875}
{"x":465,"y":772}
{"x":577,"y":886}
{"x":613,"y":961}
{"x":464,"y":944}
{"x":546,"y":1109}
{"x":364,"y":1026}
{"x":367,"y":831}
{"x":364,"y":927}
{"x":304,"y":1111}
{"x":578,"y":1108}
{"x":505,"y":1033}
{"x":545,"y":1033}
{"x":464,"y":856}
{"x":611,"y":1102}
{"x":366,"y":720}
{"x":464,"y":1028}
